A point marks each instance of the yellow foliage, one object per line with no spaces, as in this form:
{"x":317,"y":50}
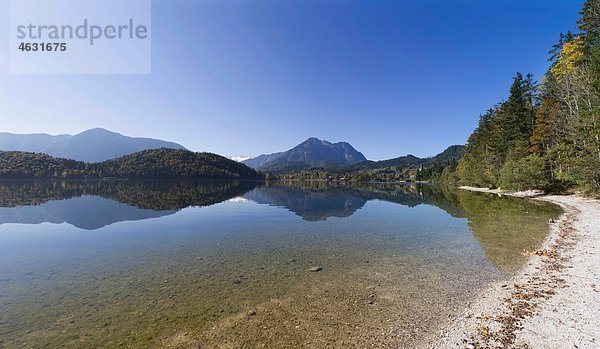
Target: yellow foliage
{"x":570,"y":55}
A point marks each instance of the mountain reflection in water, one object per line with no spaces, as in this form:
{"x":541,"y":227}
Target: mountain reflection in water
{"x":504,"y":226}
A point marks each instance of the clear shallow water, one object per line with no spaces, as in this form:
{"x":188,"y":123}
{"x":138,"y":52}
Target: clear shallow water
{"x":226,"y":264}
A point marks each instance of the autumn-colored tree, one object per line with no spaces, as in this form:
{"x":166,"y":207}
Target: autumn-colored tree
{"x":570,"y":56}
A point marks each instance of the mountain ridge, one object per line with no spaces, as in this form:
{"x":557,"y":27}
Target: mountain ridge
{"x":450,"y":154}
{"x":93,"y":145}
{"x":453,"y":152}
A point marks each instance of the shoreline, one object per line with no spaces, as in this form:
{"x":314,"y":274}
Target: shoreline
{"x":552,"y":302}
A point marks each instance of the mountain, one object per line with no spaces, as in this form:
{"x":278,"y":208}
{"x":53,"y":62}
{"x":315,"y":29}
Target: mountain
{"x":240,"y":158}
{"x":310,"y":153}
{"x":156,"y":163}
{"x":452,"y":153}
{"x":402,"y":161}
{"x":95,"y":145}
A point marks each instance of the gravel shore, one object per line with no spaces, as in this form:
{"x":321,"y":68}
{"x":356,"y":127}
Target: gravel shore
{"x":553,"y":302}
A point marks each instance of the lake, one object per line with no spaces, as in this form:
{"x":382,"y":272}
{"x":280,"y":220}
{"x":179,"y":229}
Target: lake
{"x":110,"y":264}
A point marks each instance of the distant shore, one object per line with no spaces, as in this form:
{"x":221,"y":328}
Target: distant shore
{"x":553,"y":302}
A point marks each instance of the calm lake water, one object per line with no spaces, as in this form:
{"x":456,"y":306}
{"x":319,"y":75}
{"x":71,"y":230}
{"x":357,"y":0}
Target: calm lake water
{"x":227,"y":264}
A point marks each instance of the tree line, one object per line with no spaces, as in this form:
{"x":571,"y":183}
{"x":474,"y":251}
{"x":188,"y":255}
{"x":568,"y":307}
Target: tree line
{"x":156,"y":163}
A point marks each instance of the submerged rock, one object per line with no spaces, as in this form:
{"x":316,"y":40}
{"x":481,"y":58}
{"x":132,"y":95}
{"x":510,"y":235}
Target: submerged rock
{"x":315,"y":269}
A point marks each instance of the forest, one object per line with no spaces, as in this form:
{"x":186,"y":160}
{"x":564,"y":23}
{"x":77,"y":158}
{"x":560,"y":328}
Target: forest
{"x":157,"y":163}
{"x":546,"y":134}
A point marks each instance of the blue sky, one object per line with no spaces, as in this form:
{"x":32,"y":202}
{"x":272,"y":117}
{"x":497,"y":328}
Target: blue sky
{"x":248,"y":77}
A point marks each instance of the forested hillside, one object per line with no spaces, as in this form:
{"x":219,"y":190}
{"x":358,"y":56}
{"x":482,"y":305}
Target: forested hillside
{"x":158,"y":163}
{"x":174,"y":163}
{"x":15,"y":164}
{"x":545,"y":135}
